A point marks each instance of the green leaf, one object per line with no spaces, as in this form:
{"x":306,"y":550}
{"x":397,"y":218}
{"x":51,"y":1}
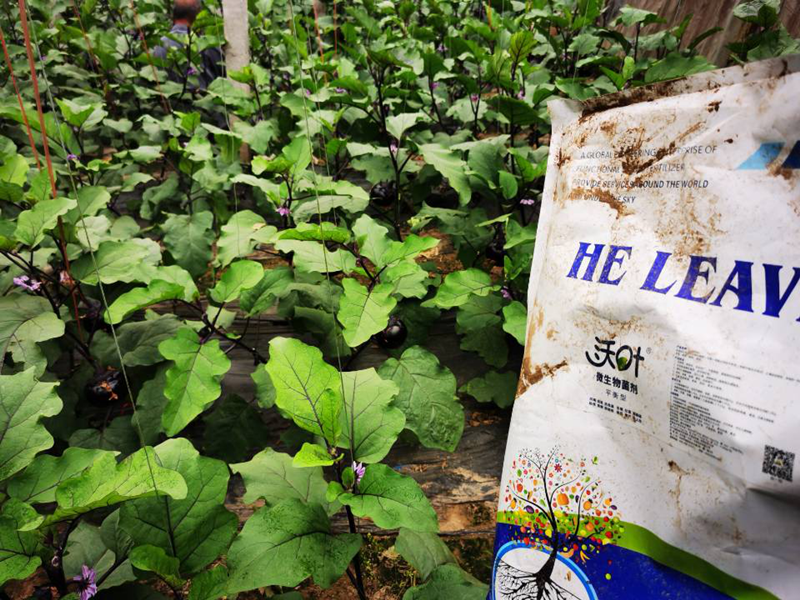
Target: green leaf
{"x":319,"y":232}
{"x":508,"y":183}
{"x":373,"y":239}
{"x":140,"y":298}
{"x":675,"y":65}
{"x":272,"y":286}
{"x":516,"y":234}
{"x":584,"y":43}
{"x":150,"y":403}
{"x":19,"y":551}
{"x":313,"y":257}
{"x":107,"y":482}
{"x":478,"y":320}
{"x":32,"y":224}
{"x":188,"y":239}
{"x":234,"y":429}
{"x":449,"y":581}
{"x":410,"y":248}
{"x":307,"y":389}
{"x":193,"y":382}
{"x":272,"y":476}
{"x":425,"y":551}
{"x":370,"y":423}
{"x":397,"y":125}
{"x":137,"y":341}
{"x":194,"y":529}
{"x":515,"y":321}
{"x":14,"y":170}
{"x":520,"y":46}
{"x":241,"y":275}
{"x":145,"y":154}
{"x":407,"y":279}
{"x":629,"y":16}
{"x":156,"y":560}
{"x":389,"y":498}
{"x":364,"y":312}
{"x":761,"y":12}
{"x":427,"y":397}
{"x":91,"y":200}
{"x":516,"y":111}
{"x":240,"y":235}
{"x":265,"y":391}
{"x":450,"y":166}
{"x":284,"y":545}
{"x":86,"y":546}
{"x":25,"y":516}
{"x":312,"y":455}
{"x":38,"y":482}
{"x":25,"y":321}
{"x":113,"y":261}
{"x":24,"y":401}
{"x":500,"y":388}
{"x":460,"y":286}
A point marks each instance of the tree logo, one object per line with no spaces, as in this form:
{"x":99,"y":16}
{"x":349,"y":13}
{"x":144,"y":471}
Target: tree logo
{"x":563,"y":518}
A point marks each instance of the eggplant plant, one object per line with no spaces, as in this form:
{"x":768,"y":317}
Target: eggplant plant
{"x":381,"y":171}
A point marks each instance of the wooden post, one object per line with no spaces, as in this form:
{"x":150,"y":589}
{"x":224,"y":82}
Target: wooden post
{"x":237,"y":49}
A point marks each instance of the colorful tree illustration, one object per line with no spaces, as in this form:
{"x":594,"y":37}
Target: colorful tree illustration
{"x":560,"y":508}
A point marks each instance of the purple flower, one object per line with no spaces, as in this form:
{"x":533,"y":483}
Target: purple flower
{"x":191,"y":71}
{"x":27,"y":283}
{"x":308,"y":92}
{"x":284,"y":211}
{"x":72,"y":156}
{"x":440,"y":48}
{"x":521,"y":94}
{"x":528,"y":201}
{"x":86,"y":585}
{"x":506,"y":293}
{"x":359,"y":469}
{"x":474,"y":97}
{"x":340,"y":90}
{"x":393,"y":148}
{"x":434,"y":85}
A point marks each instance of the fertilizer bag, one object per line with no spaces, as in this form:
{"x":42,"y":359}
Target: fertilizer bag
{"x":653,"y":446}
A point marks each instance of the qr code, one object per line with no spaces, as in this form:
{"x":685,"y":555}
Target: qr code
{"x":778,"y":463}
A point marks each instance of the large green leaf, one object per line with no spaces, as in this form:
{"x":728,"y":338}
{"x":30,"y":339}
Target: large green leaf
{"x":113,"y":261}
{"x":156,"y":560}
{"x":427,"y":397}
{"x":271,"y":475}
{"x":425,"y":551}
{"x":193,"y":382}
{"x":515,"y":321}
{"x":32,"y":224}
{"x":285,"y":544}
{"x":107,"y":482}
{"x":307,"y":389}
{"x":459,"y":286}
{"x":24,"y":321}
{"x":37,"y":484}
{"x":450,"y":166}
{"x":446,"y":582}
{"x":86,"y":546}
{"x":137,"y":341}
{"x":195,"y":529}
{"x":240,"y":235}
{"x":24,"y":401}
{"x":389,"y":498}
{"x":397,"y":125}
{"x":234,"y":429}
{"x":313,"y":257}
{"x":273,"y":285}
{"x":364,"y":312}
{"x":499,"y":388}
{"x":373,"y":239}
{"x":188,"y":239}
{"x":241,"y":275}
{"x":370,"y":424}
{"x":19,"y":551}
{"x":142,"y":297}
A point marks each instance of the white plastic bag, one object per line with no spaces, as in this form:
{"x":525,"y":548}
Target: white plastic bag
{"x":653,"y":443}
